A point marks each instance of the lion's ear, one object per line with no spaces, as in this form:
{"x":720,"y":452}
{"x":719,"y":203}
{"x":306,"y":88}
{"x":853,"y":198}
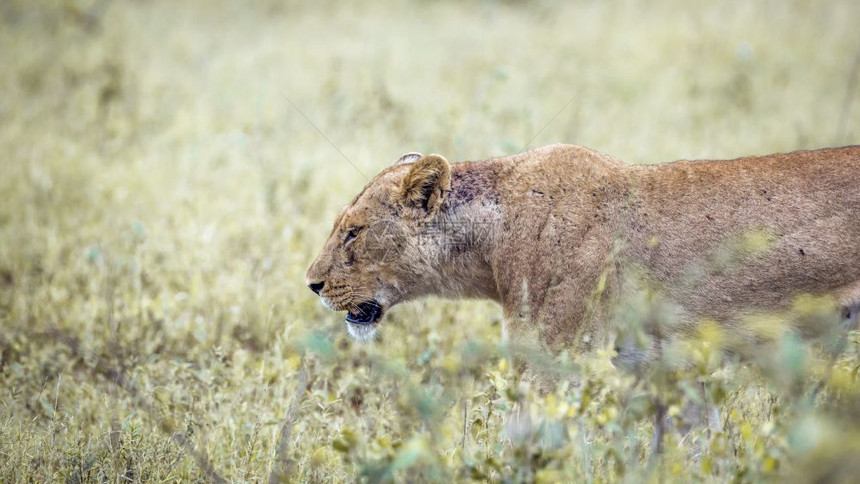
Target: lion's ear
{"x":424,"y":188}
{"x":407,"y":158}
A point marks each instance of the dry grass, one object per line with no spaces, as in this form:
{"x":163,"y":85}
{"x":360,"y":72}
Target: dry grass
{"x":163,"y":195}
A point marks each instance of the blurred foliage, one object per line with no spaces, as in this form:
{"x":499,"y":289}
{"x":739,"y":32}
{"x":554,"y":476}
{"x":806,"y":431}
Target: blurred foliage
{"x":162,"y":198}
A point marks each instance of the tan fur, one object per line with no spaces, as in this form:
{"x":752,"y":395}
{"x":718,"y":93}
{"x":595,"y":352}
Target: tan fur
{"x":551,"y":233}
{"x":423,"y":187}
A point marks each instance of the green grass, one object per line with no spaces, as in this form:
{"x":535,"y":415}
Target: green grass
{"x":169,"y":170}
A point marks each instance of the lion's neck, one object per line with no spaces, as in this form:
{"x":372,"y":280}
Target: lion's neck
{"x":462,"y":237}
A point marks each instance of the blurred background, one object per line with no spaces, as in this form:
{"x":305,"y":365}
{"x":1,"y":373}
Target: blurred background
{"x":169,"y":170}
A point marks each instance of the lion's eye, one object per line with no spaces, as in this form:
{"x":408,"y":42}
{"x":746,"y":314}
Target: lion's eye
{"x":351,"y":235}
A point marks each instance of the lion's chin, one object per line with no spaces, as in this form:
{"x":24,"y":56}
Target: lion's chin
{"x":362,"y":332}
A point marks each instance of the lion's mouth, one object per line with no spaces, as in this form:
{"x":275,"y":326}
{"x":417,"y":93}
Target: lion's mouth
{"x":365,"y":313}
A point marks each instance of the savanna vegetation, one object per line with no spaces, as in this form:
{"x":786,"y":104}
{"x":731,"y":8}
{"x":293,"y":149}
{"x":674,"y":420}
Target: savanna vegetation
{"x":169,"y":170}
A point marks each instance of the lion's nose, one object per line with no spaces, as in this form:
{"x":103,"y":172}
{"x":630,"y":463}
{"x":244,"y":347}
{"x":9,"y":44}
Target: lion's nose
{"x":316,"y":286}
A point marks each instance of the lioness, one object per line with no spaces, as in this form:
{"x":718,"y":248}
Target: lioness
{"x":548,"y":233}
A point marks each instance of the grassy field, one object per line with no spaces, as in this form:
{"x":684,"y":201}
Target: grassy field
{"x":169,"y":170}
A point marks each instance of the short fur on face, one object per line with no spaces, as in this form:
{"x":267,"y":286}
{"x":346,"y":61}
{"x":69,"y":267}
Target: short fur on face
{"x":375,"y":247}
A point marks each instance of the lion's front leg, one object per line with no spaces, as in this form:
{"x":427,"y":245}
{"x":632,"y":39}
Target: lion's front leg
{"x":536,"y":340}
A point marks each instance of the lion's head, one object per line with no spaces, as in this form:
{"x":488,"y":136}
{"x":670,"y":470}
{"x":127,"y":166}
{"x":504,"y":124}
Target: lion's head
{"x":375,"y":255}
